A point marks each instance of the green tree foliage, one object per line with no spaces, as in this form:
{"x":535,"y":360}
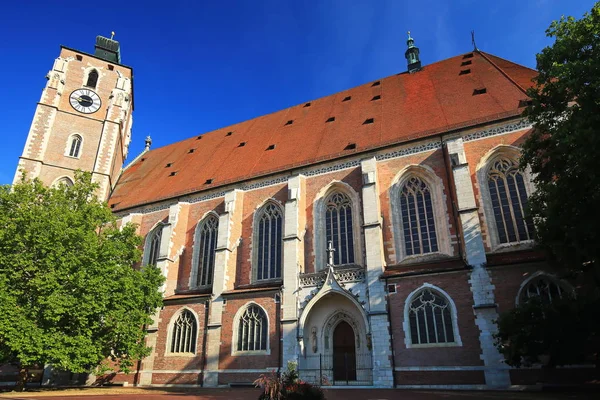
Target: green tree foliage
{"x":68,"y":293}
{"x":564,"y":155}
{"x":560,"y":332}
{"x":564,"y":150}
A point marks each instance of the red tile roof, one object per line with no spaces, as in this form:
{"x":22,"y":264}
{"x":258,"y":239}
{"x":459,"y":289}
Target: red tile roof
{"x":434,"y":100}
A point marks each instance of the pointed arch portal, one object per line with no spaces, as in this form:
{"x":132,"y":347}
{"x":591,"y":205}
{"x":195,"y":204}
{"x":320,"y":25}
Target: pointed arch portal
{"x":335,"y":338}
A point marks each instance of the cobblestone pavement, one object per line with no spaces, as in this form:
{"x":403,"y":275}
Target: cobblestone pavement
{"x":332,"y":394}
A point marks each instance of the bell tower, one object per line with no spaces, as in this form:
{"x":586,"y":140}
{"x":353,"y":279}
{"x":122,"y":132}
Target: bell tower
{"x":83,"y":118}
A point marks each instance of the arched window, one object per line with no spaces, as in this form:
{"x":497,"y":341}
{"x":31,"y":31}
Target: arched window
{"x":65,"y":180}
{"x":75,"y":145}
{"x":338,"y":227}
{"x":183,"y":335}
{"x":92,"y":79}
{"x":506,"y":184}
{"x":430,"y":318}
{"x":153,"y":245}
{"x":206,"y":242}
{"x":269,"y":242}
{"x":542,"y":287}
{"x":253,"y":329}
{"x":418,"y":222}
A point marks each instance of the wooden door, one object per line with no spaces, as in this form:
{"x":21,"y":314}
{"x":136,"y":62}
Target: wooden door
{"x":344,"y":353}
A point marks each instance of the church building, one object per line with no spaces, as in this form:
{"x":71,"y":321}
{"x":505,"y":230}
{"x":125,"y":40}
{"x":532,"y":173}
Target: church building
{"x":372,"y":236}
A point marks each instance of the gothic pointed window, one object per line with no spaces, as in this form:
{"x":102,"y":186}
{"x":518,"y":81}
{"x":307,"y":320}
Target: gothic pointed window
{"x":430,"y":318}
{"x":206,"y":242}
{"x":543,"y":288}
{"x":506,"y":184}
{"x":253,"y":329}
{"x":418,"y":221}
{"x":92,"y":79}
{"x":153,"y":245}
{"x":75,"y":147}
{"x":64,"y":181}
{"x":338,"y":227}
{"x":183,"y":334}
{"x":269,"y":242}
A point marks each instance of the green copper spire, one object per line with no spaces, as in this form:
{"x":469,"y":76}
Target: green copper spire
{"x":412,"y":55}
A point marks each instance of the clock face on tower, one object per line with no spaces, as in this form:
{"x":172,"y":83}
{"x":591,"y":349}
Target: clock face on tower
{"x":85,"y":101}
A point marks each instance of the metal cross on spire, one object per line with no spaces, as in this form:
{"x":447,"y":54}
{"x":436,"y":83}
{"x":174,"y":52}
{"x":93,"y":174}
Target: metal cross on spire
{"x":473,"y":41}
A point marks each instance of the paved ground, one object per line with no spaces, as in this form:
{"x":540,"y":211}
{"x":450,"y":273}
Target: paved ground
{"x":332,"y":394}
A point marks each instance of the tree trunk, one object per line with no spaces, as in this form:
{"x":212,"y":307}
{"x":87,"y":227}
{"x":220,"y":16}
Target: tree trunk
{"x":21,"y":379}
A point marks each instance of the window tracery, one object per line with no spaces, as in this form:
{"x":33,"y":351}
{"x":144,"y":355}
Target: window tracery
{"x":542,"y":287}
{"x":508,"y":195}
{"x":430,"y":318}
{"x":183,"y":336}
{"x":253,"y":329}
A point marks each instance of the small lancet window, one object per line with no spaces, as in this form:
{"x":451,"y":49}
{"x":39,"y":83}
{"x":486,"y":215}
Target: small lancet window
{"x":75,"y":146}
{"x":92,"y":79}
{"x":153,"y":245}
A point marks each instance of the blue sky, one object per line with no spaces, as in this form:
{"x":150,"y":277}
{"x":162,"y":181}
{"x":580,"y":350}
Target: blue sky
{"x":202,"y":65}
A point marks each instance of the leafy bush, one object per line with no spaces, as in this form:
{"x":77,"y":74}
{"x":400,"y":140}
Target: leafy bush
{"x":287,"y":387}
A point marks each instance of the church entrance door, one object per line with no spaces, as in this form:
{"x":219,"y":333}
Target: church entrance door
{"x":344,"y":353}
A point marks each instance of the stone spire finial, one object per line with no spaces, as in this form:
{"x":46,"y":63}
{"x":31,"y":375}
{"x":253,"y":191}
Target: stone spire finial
{"x":330,"y":251}
{"x":148,"y":143}
{"x":412,"y":55}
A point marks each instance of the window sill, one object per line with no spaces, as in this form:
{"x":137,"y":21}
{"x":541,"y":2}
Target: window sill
{"x":433,"y":345}
{"x":182,"y":355}
{"x":514,"y":246}
{"x":428,"y":257}
{"x":263,"y":282}
{"x":252,"y":353}
{"x":68,"y":156}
